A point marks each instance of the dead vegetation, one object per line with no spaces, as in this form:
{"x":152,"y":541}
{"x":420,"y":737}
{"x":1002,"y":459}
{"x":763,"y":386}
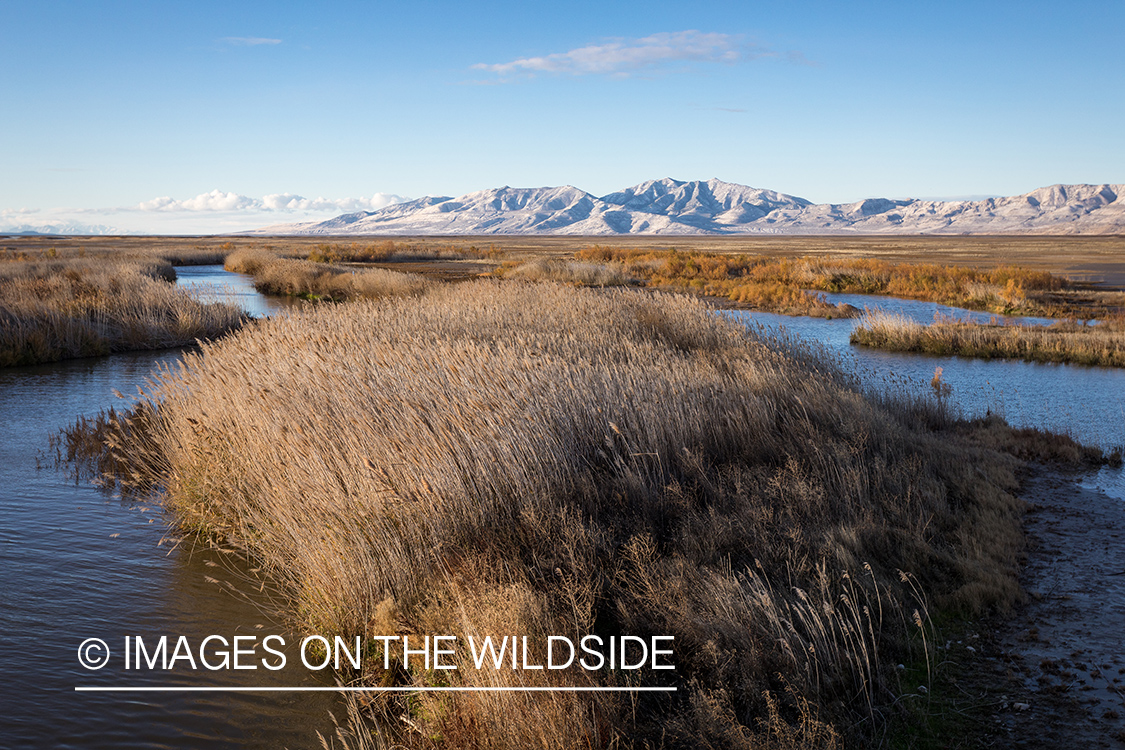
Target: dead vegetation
{"x":320,"y":281}
{"x":572,"y":272}
{"x":1102,"y":343}
{"x":402,"y":251}
{"x":792,"y":285}
{"x":499,"y":458}
{"x":63,"y":309}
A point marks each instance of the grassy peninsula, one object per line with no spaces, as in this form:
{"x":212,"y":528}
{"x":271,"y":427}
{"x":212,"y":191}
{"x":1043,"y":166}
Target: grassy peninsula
{"x":503,"y":457}
{"x":317,"y":281}
{"x":1102,"y":343}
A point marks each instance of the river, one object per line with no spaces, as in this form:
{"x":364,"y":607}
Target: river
{"x":79,"y":562}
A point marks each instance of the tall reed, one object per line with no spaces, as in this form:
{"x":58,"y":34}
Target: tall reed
{"x":304,"y":278}
{"x":497,"y":457}
{"x":569,"y":272}
{"x":1067,"y":341}
{"x":61,"y":309}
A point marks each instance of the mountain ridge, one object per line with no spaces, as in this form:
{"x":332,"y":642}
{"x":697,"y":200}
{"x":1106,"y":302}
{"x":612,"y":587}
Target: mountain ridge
{"x":715,"y":207}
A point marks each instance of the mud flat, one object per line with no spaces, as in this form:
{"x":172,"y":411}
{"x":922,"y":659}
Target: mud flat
{"x":1053,"y":676}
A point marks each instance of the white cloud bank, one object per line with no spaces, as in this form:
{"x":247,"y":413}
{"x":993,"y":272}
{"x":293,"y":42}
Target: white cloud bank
{"x":624,"y":56}
{"x":216,"y":212}
{"x":290,"y":202}
{"x":8,"y":213}
{"x":218,"y":201}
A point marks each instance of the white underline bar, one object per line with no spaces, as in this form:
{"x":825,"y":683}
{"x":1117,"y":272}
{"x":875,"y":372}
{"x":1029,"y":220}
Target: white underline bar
{"x":174,"y":689}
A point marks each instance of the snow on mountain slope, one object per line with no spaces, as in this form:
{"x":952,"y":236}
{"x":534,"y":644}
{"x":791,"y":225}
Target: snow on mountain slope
{"x":712,"y":205}
{"x":670,"y":206}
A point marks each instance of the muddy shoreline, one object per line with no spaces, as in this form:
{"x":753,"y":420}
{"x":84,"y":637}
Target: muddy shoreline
{"x":1052,"y":674}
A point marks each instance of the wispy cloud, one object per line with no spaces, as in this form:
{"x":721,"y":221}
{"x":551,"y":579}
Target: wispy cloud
{"x":625,"y":56}
{"x":798,"y":58}
{"x":248,"y":41}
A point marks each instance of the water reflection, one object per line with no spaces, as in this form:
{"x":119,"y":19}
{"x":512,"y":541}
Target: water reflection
{"x":235,"y":288}
{"x":78,"y":563}
{"x":927,"y":312}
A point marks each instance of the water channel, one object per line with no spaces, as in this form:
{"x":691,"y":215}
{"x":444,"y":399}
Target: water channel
{"x":1087,"y":403}
{"x":77,"y":562}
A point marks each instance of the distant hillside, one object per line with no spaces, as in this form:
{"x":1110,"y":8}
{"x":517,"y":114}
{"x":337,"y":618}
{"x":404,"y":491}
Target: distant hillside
{"x":715,"y":207}
{"x":58,"y":228}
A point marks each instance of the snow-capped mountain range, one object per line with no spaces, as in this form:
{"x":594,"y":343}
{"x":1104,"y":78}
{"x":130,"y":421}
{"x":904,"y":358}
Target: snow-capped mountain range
{"x":715,"y":207}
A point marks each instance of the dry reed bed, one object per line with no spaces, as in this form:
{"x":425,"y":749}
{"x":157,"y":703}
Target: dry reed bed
{"x":304,"y":278}
{"x":390,"y":251}
{"x":503,"y":458}
{"x":62,"y":309}
{"x":567,"y":272}
{"x":777,"y":284}
{"x":167,"y":250}
{"x":1101,"y":344}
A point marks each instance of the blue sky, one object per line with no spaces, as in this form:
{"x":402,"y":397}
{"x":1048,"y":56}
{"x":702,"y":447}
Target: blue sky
{"x":212,"y":116}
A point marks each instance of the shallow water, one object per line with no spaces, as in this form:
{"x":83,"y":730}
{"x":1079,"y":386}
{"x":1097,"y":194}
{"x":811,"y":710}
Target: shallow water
{"x":78,"y":562}
{"x":1087,"y":403}
{"x":927,"y":312}
{"x":235,"y":288}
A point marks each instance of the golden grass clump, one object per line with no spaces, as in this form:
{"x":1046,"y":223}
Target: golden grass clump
{"x":787,"y":300}
{"x":499,"y":458}
{"x":249,"y":260}
{"x":570,"y":272}
{"x":304,"y":278}
{"x":776,"y":284}
{"x":1066,"y":341}
{"x":390,"y":251}
{"x":78,"y":307}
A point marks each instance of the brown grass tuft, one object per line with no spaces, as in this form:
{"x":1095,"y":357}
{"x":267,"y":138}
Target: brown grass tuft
{"x":570,"y":272}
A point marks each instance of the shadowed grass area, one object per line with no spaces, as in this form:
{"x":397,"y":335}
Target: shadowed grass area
{"x":304,"y":278}
{"x":500,"y":458}
{"x":62,"y":309}
{"x":1067,"y":341}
